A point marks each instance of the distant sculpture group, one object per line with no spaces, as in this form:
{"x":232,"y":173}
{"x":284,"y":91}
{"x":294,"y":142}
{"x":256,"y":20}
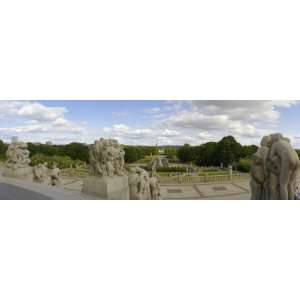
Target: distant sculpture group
{"x":106,"y":158}
{"x":158,"y":162}
{"x":274,"y":169}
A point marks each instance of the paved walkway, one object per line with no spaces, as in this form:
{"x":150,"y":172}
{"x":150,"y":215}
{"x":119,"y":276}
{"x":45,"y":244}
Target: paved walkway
{"x":12,"y":192}
{"x":71,"y":189}
{"x":223,"y":191}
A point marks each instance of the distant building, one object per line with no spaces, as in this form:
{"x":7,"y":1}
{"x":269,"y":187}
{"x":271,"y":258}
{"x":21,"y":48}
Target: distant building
{"x":49,"y":143}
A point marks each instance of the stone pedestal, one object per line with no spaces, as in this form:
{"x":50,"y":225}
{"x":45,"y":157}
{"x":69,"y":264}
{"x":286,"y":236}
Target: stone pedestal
{"x":110,"y":188}
{"x":21,"y":172}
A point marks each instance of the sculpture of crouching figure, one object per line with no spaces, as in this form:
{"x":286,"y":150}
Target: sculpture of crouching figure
{"x":40,"y":173}
{"x":55,"y":176}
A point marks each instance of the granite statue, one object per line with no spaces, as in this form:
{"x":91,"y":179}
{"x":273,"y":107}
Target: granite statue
{"x":142,"y":186}
{"x":55,"y":175}
{"x":106,"y":158}
{"x":108,"y":179}
{"x":17,"y":163}
{"x":275,"y":167}
{"x":40,"y":173}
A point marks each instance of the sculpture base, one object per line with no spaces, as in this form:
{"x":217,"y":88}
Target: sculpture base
{"x":108,"y":188}
{"x":21,"y":172}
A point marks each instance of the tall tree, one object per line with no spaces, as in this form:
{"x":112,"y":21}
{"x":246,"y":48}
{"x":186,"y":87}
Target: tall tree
{"x":186,"y":153}
{"x":3,"y":149}
{"x":228,"y":150}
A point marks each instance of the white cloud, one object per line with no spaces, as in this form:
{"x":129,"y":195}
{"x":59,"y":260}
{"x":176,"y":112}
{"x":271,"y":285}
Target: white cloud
{"x":41,"y":112}
{"x":243,"y":119}
{"x":37,"y":121}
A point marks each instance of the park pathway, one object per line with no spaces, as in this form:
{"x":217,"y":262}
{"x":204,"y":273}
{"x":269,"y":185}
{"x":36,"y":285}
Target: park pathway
{"x":12,"y":192}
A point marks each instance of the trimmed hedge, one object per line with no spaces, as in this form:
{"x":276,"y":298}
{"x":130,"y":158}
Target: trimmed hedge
{"x":244,"y":165}
{"x":62,"y":162}
{"x":168,"y":169}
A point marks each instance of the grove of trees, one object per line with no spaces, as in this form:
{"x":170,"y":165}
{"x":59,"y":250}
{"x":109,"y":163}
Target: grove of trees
{"x":227,"y":152}
{"x":134,"y":153}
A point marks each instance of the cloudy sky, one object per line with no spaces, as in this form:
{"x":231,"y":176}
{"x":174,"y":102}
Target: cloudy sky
{"x":148,"y":122}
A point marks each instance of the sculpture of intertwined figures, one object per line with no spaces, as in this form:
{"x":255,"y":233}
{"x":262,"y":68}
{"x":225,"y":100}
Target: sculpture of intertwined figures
{"x":17,"y":155}
{"x":275,"y":167}
{"x":40,"y":173}
{"x":142,"y":186}
{"x":107,"y":158}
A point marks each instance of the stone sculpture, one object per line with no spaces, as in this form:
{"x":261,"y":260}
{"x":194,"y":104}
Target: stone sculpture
{"x":274,"y":169}
{"x":158,"y":162}
{"x":40,"y":173}
{"x":154,"y":187}
{"x":55,"y":175}
{"x":106,"y":158}
{"x":17,"y":163}
{"x":142,"y":186}
{"x":108,"y":179}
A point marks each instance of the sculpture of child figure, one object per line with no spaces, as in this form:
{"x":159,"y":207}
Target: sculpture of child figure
{"x":55,"y":175}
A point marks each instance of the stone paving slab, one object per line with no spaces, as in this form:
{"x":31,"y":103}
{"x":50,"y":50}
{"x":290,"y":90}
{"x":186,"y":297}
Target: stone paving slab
{"x":219,"y":189}
{"x":172,"y":192}
{"x":213,"y":191}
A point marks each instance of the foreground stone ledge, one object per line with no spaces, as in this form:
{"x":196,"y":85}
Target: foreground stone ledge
{"x":46,"y":191}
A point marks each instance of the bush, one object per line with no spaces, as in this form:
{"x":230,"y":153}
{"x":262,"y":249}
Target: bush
{"x":210,"y":169}
{"x":213,"y":173}
{"x":62,"y":162}
{"x":244,"y":165}
{"x":168,"y":169}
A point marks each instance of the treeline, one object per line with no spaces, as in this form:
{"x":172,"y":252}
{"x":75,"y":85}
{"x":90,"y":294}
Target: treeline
{"x":134,"y":153}
{"x":3,"y":149}
{"x":227,"y":152}
{"x":75,"y":151}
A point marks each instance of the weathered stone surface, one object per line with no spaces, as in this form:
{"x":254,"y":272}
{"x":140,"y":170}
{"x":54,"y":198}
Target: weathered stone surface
{"x":274,"y":169}
{"x":55,"y":175}
{"x":40,"y":173}
{"x":108,"y":179}
{"x":17,"y":163}
{"x":110,"y":188}
{"x":142,"y":186}
{"x":106,"y":158}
